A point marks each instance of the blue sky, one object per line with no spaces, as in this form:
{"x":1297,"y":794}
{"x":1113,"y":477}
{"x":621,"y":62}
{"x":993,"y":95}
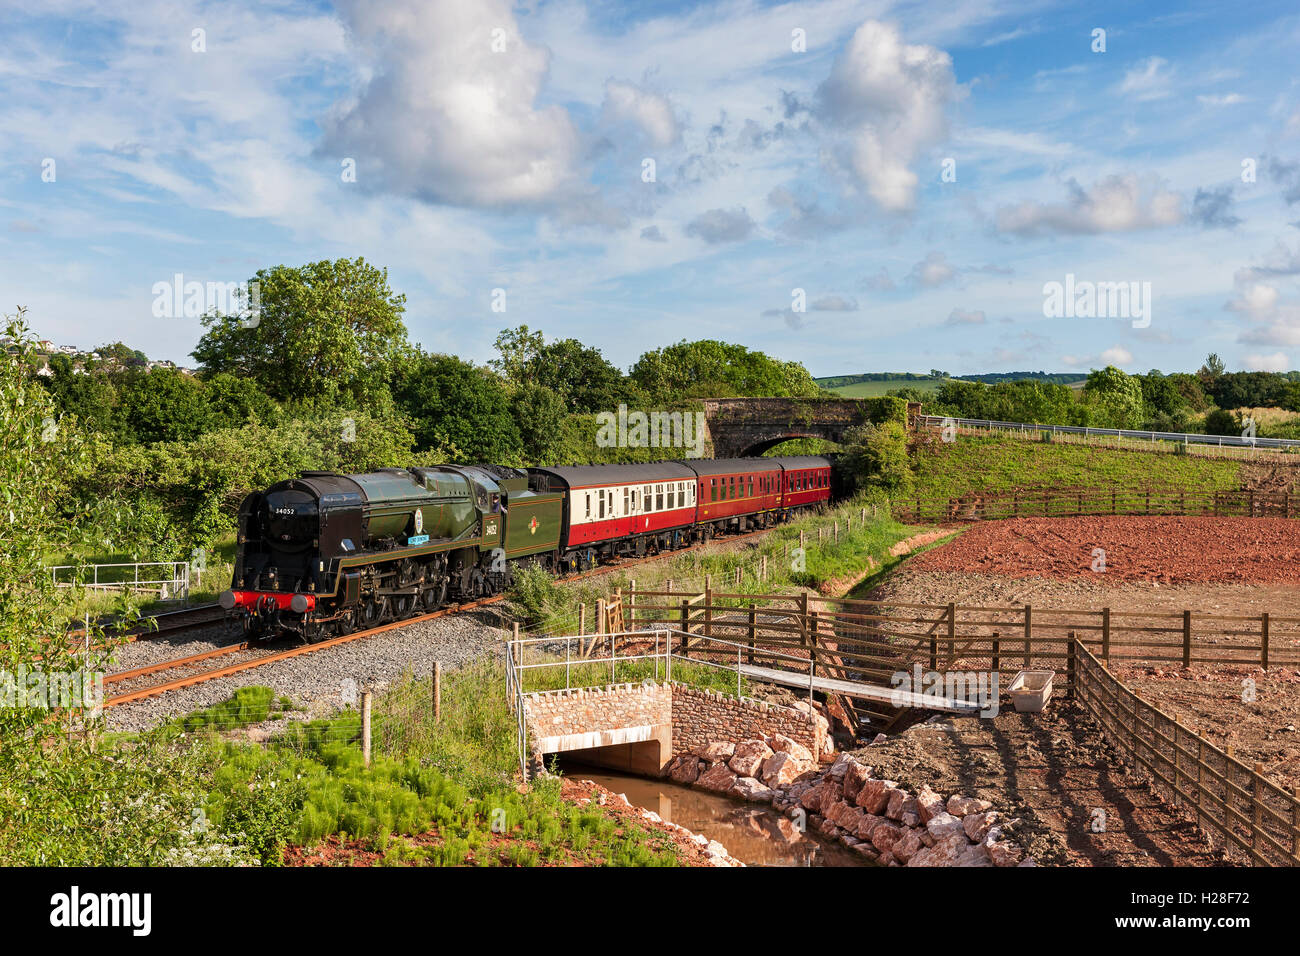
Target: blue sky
{"x":522,"y":168}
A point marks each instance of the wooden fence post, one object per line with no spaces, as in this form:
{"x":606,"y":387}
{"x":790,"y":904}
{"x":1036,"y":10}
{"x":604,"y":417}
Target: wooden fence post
{"x":952,"y":633}
{"x":1263,"y":640}
{"x":437,"y":691}
{"x":1105,"y":635}
{"x":582,"y":618}
{"x":997,"y":653}
{"x":1029,"y":628}
{"x":1256,"y":804}
{"x":753,"y":631}
{"x":365,"y":727}
{"x":1187,"y":638}
{"x":708,"y":607}
{"x":686,"y":628}
{"x":1070,"y":664}
{"x":803,"y":624}
{"x":1295,"y":825}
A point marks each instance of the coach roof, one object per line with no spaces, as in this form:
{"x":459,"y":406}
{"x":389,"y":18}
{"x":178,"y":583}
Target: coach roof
{"x":586,"y":476}
{"x":801,"y":462}
{"x":731,"y":466}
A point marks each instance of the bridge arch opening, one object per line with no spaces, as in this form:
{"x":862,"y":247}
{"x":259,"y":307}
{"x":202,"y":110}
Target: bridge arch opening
{"x":767,"y":444}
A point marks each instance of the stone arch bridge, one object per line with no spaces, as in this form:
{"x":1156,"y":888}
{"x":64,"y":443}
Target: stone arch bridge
{"x":740,"y":427}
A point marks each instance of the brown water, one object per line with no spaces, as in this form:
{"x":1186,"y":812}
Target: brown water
{"x":753,"y":834}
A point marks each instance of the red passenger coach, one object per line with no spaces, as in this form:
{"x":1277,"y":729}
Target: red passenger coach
{"x":737,"y":493}
{"x":806,"y":481}
{"x":620,"y":509}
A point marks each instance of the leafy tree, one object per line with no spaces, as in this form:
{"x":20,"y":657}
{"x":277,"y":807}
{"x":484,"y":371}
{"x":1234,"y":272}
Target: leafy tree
{"x":1190,"y":388}
{"x":876,"y":456}
{"x":713,"y":369}
{"x":1248,"y":390}
{"x":327,"y":331}
{"x":1211,"y":370}
{"x":1222,"y":422}
{"x":92,"y":399}
{"x":123,"y":355}
{"x":458,"y":407}
{"x":234,"y":401}
{"x":579,"y":374}
{"x":162,"y":405}
{"x":1114,"y":398}
{"x":540,"y":413}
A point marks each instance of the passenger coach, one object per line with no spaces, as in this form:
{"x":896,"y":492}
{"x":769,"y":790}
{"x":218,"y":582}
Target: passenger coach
{"x":620,"y":509}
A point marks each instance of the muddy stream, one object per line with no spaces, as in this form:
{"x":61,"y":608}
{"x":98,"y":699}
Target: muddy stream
{"x":753,"y":834}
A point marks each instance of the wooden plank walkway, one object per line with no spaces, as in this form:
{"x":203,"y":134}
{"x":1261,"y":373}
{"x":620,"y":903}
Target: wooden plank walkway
{"x":884,"y":695}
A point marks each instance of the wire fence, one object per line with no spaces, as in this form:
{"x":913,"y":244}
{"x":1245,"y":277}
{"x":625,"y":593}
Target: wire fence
{"x":1119,"y":436}
{"x":1115,"y":500}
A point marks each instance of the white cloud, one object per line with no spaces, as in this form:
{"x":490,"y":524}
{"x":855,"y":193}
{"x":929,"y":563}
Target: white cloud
{"x":1148,"y":80}
{"x":1115,"y":355}
{"x":652,"y":114}
{"x":964,"y":317}
{"x":933,"y":271}
{"x":1118,"y":203}
{"x":1221,"y":99}
{"x":444,"y":117}
{"x":892,"y":99}
{"x":1274,"y":319}
{"x":1275,"y":362}
{"x":721,"y":225}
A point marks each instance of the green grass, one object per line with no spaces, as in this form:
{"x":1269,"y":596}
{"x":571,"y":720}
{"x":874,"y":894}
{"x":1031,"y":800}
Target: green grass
{"x":454,"y":778}
{"x":974,"y":464}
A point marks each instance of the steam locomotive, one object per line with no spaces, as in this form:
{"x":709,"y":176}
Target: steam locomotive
{"x":323,"y":554}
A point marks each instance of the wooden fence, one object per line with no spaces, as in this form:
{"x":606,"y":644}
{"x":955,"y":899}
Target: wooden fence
{"x":1077,"y":502}
{"x":869,"y":639}
{"x":1251,"y":817}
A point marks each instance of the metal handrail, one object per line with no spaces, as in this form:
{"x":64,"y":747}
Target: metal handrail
{"x":178,"y":582}
{"x":1186,"y":438}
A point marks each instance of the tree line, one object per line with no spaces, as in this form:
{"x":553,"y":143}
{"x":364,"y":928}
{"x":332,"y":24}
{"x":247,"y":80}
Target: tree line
{"x":1211,"y":400}
{"x":324,"y":376}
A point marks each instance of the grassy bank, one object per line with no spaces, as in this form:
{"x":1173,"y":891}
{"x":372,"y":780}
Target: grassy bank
{"x":436,"y":793}
{"x":862,"y":546}
{"x":973,"y":464}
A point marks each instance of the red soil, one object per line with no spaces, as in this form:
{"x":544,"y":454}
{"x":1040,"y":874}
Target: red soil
{"x":1163,"y":549}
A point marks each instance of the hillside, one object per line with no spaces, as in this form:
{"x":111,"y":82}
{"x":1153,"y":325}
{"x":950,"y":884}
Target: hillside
{"x":1004,"y":464}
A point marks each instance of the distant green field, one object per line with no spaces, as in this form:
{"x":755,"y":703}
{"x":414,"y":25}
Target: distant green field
{"x":876,"y":389}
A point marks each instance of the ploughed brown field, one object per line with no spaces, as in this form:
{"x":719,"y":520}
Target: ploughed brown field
{"x":1157,"y":567}
{"x":1167,"y":550}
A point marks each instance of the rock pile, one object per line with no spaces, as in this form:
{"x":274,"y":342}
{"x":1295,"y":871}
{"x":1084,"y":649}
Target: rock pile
{"x":846,"y":802}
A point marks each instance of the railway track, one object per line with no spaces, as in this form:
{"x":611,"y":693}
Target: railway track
{"x":169,"y":622}
{"x":193,"y":669}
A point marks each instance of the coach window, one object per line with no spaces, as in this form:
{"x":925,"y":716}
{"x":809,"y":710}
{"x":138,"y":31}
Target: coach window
{"x":713,"y":489}
{"x":588,"y":497}
{"x":627,"y":501}
{"x":659,"y":497}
